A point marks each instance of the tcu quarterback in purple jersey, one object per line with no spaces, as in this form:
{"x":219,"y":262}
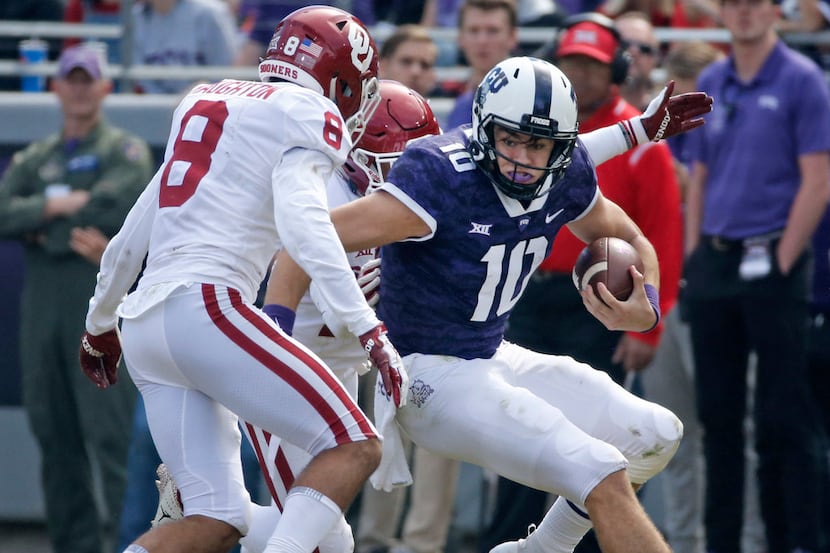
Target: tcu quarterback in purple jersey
{"x":464,"y":218}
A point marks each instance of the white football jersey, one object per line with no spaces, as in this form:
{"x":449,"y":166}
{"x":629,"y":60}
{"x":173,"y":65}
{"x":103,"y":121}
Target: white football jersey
{"x":244,"y":174}
{"x":325,"y":334}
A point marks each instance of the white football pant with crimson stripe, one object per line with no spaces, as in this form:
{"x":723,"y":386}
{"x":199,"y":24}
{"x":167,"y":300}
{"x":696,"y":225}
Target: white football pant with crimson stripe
{"x":281,"y":461}
{"x":203,"y":358}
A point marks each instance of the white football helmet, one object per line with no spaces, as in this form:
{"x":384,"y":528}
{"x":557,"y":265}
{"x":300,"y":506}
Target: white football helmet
{"x":530,"y":96}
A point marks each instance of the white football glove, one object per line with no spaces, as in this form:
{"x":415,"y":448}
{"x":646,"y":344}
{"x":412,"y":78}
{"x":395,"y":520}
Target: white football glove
{"x":368,"y":278}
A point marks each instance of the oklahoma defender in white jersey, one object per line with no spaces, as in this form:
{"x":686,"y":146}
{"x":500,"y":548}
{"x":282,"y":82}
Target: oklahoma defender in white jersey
{"x":402,"y":116}
{"x":245,"y":170}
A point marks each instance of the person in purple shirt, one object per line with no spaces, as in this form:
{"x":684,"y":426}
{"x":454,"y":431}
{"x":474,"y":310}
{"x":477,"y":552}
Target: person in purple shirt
{"x":760,"y":183}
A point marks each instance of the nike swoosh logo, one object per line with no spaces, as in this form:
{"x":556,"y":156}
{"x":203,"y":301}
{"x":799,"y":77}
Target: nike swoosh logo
{"x":551,"y":216}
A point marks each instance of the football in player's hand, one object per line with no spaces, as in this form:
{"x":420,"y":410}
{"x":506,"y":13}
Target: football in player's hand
{"x":607,"y":260}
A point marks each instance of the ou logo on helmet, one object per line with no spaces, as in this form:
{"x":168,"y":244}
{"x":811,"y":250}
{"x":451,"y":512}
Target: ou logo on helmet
{"x":361,"y":46}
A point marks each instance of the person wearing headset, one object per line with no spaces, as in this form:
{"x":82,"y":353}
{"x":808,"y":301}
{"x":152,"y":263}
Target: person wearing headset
{"x":550,"y":317}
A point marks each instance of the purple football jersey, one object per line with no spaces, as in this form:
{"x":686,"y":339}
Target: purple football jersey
{"x":451,"y":293}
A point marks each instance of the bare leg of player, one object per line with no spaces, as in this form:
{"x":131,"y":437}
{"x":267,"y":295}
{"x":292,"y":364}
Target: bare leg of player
{"x":353,"y":463}
{"x":193,"y":534}
{"x":613,"y":506}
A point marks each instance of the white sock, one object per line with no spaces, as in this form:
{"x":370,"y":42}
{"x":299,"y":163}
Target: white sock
{"x":563,"y":527}
{"x":134,"y":548}
{"x":263,"y":522}
{"x":307,"y":517}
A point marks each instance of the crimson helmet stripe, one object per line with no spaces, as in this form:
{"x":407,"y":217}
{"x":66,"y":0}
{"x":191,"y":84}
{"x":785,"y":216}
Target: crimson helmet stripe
{"x":281,"y":369}
{"x":544,"y":90}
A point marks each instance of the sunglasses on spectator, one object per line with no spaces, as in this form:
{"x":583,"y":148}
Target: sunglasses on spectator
{"x":642,"y":47}
{"x":425,"y":65}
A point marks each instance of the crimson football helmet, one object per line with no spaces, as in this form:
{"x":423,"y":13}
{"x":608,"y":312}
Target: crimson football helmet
{"x":403,"y":115}
{"x":328,"y":50}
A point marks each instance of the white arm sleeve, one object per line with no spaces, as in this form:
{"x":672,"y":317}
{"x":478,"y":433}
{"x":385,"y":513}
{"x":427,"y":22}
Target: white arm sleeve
{"x":122,"y":260}
{"x":305,"y":229}
{"x":605,"y":143}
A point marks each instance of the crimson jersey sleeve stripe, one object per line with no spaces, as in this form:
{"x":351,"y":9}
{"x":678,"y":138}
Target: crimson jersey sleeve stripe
{"x":281,"y":369}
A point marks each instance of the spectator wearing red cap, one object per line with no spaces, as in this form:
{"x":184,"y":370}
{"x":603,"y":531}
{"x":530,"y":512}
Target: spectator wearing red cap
{"x":85,"y":176}
{"x":550,"y":316}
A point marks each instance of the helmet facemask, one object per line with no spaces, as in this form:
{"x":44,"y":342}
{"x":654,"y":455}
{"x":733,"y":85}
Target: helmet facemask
{"x":374,"y":165}
{"x":558,"y":161}
{"x":369,"y":102}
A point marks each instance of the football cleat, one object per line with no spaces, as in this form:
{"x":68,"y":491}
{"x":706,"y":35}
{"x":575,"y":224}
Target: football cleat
{"x":170,"y":502}
{"x":514,"y":546}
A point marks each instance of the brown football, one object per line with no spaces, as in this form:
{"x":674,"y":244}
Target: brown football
{"x":607,"y":260}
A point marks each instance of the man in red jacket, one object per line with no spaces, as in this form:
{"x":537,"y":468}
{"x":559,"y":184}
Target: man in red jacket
{"x":550,"y":316}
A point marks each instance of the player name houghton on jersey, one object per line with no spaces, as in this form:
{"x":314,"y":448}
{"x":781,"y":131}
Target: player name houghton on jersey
{"x":238,"y":88}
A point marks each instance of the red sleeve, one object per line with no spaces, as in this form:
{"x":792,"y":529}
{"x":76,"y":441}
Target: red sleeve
{"x":657,"y":212}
